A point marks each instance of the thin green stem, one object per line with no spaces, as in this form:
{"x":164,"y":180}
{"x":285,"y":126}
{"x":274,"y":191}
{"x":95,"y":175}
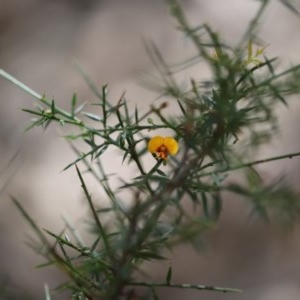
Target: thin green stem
{"x":19,"y":84}
{"x":177,"y":12}
{"x":186,"y":286}
{"x":37,"y":96}
{"x":250,"y":164}
{"x":253,"y":24}
{"x":96,"y":218}
{"x":8,"y":172}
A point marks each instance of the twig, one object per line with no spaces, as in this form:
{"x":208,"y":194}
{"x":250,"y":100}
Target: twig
{"x":252,"y":163}
{"x":187,"y":286}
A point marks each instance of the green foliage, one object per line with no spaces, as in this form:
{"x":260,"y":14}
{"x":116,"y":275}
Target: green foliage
{"x":217,"y":123}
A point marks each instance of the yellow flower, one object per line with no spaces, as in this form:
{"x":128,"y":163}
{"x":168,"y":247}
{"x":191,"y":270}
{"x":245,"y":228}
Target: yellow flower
{"x":162,"y":146}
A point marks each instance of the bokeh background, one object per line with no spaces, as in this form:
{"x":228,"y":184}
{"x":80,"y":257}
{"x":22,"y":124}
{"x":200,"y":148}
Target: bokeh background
{"x":39,"y":42}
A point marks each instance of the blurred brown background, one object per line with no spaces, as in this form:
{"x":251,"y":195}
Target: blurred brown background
{"x":39,"y":41}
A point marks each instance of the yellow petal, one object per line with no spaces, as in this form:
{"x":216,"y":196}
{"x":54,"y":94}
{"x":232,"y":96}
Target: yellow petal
{"x":155,"y":143}
{"x":171,"y":145}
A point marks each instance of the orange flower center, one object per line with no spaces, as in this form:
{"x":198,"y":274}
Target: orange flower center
{"x":162,"y":152}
